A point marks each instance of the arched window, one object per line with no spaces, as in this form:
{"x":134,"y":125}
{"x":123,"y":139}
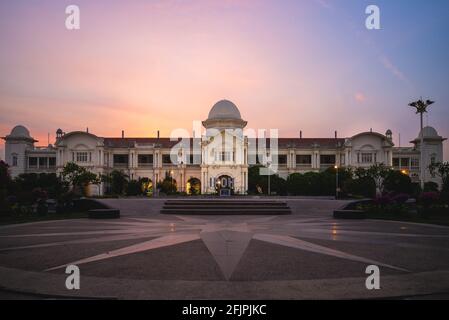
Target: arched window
{"x":14,"y":160}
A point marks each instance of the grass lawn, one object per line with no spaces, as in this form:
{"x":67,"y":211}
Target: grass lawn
{"x":25,"y":218}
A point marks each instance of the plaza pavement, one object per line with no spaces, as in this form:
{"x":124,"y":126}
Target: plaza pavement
{"x":146,"y":255}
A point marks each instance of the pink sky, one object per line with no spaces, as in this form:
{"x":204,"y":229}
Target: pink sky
{"x":143,"y":66}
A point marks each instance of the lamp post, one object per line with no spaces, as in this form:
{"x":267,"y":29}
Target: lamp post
{"x":269,"y":175}
{"x":336,"y":182}
{"x":421,"y":107}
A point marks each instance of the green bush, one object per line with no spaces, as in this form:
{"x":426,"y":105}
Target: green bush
{"x":296,"y":184}
{"x":168,"y":185}
{"x":5,"y":181}
{"x":397,"y":182}
{"x":430,"y":186}
{"x":258,"y":184}
{"x":363,"y":186}
{"x":133,"y":188}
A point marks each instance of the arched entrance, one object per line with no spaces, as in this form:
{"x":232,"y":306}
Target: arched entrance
{"x":224,"y":185}
{"x":147,"y":186}
{"x":193,"y":186}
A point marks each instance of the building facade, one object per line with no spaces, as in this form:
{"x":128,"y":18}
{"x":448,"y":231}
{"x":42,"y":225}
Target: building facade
{"x":219,"y":159}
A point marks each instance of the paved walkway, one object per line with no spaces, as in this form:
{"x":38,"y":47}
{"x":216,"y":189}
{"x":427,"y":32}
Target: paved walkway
{"x":148,"y":255}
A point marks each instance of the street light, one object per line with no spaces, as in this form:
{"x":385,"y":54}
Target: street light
{"x":336,"y":182}
{"x":421,"y":107}
{"x":269,"y":175}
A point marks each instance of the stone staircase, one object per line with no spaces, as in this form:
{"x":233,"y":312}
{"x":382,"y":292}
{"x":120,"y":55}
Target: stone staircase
{"x":225,"y":207}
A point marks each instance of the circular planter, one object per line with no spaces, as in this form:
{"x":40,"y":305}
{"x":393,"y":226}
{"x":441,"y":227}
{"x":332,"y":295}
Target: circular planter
{"x":349,"y":214}
{"x":104,"y":214}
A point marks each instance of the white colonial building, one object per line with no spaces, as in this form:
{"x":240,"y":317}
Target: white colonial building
{"x":218,"y":159}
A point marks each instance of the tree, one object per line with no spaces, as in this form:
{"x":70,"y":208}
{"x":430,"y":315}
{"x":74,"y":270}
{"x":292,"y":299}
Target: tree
{"x":441,"y":169}
{"x":78,"y":177}
{"x":257,"y":183}
{"x":313,"y":183}
{"x":360,"y":184}
{"x":168,"y":185}
{"x":278,"y":185}
{"x":296,"y":184}
{"x":116,"y":182}
{"x":5,"y":180}
{"x":431,"y":186}
{"x":134,"y":188}
{"x":378,"y":173}
{"x":397,"y":182}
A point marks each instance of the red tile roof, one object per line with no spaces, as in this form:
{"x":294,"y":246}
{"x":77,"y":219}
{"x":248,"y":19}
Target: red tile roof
{"x":130,"y":142}
{"x":282,"y":142}
{"x":306,"y":142}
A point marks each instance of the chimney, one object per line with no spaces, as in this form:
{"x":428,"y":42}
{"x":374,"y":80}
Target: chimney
{"x":87,"y":129}
{"x":336,"y":135}
{"x":300,"y":134}
{"x":123,"y":134}
{"x":158,"y":134}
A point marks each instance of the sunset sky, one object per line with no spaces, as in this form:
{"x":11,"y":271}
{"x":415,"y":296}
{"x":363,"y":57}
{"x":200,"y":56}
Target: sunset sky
{"x":147,"y":65}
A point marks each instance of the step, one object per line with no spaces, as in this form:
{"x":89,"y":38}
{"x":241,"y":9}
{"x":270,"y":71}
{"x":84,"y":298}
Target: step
{"x":223,"y":206}
{"x":224,"y":203}
{"x":227,"y":212}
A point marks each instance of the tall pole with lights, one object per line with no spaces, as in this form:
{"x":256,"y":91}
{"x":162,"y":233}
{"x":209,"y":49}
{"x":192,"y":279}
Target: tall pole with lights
{"x":269,"y":175}
{"x":421,"y":108}
{"x":336,"y":182}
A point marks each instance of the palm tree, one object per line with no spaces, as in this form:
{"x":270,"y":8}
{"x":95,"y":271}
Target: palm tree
{"x":421,"y":107}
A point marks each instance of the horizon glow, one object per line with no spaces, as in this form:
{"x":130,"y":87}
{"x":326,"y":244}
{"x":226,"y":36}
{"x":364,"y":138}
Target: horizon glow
{"x":143,"y":66}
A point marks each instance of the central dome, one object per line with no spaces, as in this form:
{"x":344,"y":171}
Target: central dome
{"x":224,"y":109}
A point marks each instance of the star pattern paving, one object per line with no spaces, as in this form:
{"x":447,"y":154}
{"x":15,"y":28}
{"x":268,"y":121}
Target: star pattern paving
{"x":226,"y":238}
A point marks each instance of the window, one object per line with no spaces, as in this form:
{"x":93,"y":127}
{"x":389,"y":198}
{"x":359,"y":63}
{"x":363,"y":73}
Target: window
{"x":42,"y":162}
{"x":223,"y":156}
{"x":327,"y":159}
{"x":121,"y":159}
{"x":166,"y":159}
{"x":304,"y":159}
{"x":405,"y":162}
{"x":282,"y":159}
{"x":32,"y":162}
{"x":145,"y":159}
{"x":14,"y":160}
{"x":194,"y":159}
{"x":415,"y":162}
{"x":367,"y":158}
{"x":52,"y":162}
{"x":395,"y":162}
{"x":81,"y":157}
